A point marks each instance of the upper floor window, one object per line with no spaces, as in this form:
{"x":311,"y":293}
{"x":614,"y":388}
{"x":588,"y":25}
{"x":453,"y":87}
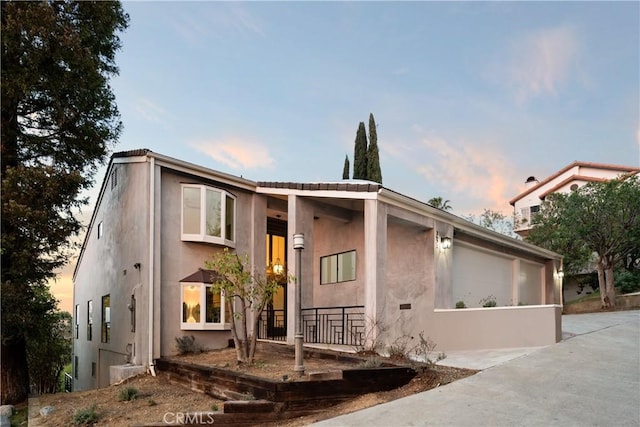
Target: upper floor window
{"x":208,"y":215}
{"x":338,"y":268}
{"x":100,"y":230}
{"x":76,"y":326}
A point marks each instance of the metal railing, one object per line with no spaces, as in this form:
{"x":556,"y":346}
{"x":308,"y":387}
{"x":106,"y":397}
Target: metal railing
{"x":272,"y":325}
{"x":334,"y":325}
{"x":68,"y":383}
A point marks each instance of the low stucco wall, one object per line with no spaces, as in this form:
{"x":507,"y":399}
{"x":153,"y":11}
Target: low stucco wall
{"x":497,"y":327}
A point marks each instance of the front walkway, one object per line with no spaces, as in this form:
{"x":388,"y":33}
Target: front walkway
{"x":592,"y":377}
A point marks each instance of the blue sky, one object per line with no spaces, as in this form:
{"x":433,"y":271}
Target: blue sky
{"x":470,"y":98}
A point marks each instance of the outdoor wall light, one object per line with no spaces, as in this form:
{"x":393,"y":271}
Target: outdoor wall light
{"x":298,"y":241}
{"x":560,"y":273}
{"x":445,"y":242}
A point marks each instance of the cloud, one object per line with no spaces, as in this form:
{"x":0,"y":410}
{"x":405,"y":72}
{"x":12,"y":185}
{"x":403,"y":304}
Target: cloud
{"x":237,"y":153}
{"x":471,"y":169}
{"x":151,"y":111}
{"x":542,"y":62}
{"x":221,"y":22}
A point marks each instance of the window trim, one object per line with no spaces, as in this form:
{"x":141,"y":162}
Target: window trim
{"x":202,"y":236}
{"x":337,"y":272}
{"x":76,"y":325}
{"x":223,"y":325}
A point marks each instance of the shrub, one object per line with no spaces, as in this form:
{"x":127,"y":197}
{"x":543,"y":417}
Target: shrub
{"x":461,"y":304}
{"x":128,"y":393}
{"x":371,"y":362}
{"x":86,"y":416}
{"x":489,"y":301}
{"x":187,"y":345}
{"x":627,"y":281}
{"x":152,"y":402}
{"x":214,"y":407}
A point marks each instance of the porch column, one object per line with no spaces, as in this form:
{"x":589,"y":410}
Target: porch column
{"x":375,"y":256}
{"x":300,"y":220}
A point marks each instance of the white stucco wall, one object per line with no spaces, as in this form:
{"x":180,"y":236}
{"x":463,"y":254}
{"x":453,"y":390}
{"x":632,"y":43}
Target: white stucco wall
{"x":107,"y":267}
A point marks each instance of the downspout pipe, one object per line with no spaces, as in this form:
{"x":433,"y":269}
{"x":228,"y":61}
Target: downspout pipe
{"x":152,"y":232}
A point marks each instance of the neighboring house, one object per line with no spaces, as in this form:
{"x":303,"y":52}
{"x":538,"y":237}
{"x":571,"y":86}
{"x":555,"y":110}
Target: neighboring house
{"x":570,"y":178}
{"x":376,"y":266}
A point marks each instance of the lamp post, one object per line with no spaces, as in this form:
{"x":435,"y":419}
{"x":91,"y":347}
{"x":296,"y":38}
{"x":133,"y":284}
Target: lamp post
{"x":298,"y":246}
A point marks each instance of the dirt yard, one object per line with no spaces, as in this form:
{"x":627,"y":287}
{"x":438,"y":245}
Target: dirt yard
{"x":160,"y":401}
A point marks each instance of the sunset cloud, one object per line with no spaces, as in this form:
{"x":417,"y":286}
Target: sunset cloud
{"x":237,"y":153}
{"x":151,"y":111}
{"x":542,"y":62}
{"x":469,"y":167}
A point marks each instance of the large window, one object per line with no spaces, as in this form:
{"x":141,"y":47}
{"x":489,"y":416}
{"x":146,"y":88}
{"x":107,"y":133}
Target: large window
{"x":338,"y":268}
{"x":194,"y":297}
{"x":106,"y":318}
{"x":208,"y":215}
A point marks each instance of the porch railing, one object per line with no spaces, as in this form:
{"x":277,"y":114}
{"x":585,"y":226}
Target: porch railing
{"x":334,"y":325}
{"x":272,"y":325}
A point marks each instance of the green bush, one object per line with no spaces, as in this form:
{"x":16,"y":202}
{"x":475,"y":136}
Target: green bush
{"x":187,"y":345}
{"x":371,"y":362}
{"x":86,"y":416}
{"x":489,"y":301}
{"x":461,"y":304}
{"x":128,"y":393}
{"x":627,"y":281}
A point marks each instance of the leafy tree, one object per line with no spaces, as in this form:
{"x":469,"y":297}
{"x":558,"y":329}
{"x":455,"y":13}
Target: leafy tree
{"x":600,"y":218}
{"x":345,"y":169}
{"x":49,"y":351}
{"x":59,"y":120}
{"x":440,"y":203}
{"x":374,"y":173}
{"x":247,"y":295}
{"x":494,"y":220}
{"x":360,"y":153}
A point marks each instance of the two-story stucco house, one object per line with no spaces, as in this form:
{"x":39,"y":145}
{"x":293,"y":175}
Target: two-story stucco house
{"x":376,"y":265}
{"x":570,"y":178}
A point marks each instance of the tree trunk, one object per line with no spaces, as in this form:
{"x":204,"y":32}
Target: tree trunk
{"x":602,"y":285}
{"x":610,"y":289}
{"x":15,"y":372}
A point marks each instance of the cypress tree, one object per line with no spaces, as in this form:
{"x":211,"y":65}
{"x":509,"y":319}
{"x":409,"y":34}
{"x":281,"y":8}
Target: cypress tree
{"x":374,"y":173}
{"x":360,"y":153}
{"x":345,"y":170}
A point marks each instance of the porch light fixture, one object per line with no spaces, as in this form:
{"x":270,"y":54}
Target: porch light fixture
{"x":560,"y":273}
{"x":445,"y":242}
{"x":298,"y":245}
{"x":278,"y":268}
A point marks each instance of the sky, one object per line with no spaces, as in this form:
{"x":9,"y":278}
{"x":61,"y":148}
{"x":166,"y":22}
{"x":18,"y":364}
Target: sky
{"x":469,"y":98}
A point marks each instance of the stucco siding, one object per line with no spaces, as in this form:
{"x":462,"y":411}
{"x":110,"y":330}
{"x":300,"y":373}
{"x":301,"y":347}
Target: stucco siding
{"x":409,"y":282}
{"x":107,"y":267}
{"x":332,"y":237}
{"x":179,"y":258}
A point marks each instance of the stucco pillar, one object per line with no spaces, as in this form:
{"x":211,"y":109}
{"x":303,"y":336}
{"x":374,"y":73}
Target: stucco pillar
{"x":375,"y":255}
{"x":258,"y":248}
{"x":300,"y":220}
{"x":515,"y":282}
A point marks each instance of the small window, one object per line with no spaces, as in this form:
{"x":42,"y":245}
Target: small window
{"x":100,"y":230}
{"x":132,"y":310}
{"x":338,"y":268}
{"x":535,"y":209}
{"x":76,"y":325}
{"x":93,"y":369}
{"x":89,"y":320}
{"x":75,"y":367}
{"x":114,"y":178}
{"x":194,"y":297}
{"x":573,"y":187}
{"x":106,"y":319}
{"x":208,"y":215}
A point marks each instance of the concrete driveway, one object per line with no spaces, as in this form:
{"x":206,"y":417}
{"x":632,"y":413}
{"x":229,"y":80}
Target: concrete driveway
{"x":591,"y":378}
